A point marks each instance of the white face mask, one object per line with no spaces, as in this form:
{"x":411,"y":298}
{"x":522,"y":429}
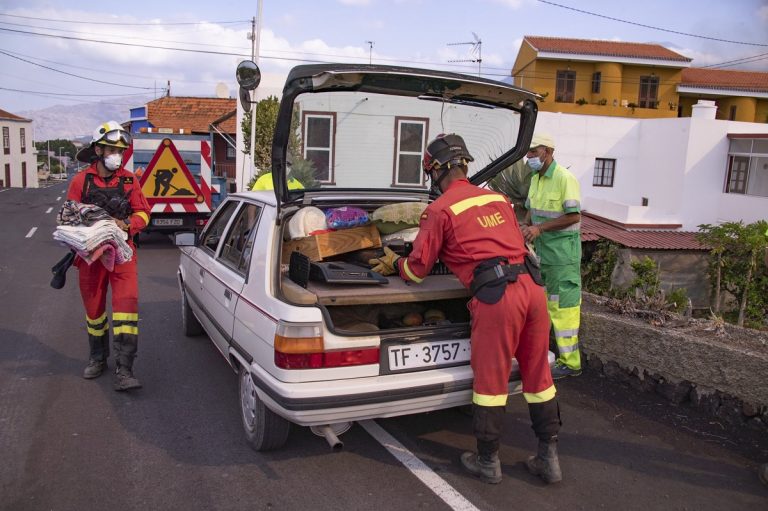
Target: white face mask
{"x":535,"y":163}
{"x":113,"y":161}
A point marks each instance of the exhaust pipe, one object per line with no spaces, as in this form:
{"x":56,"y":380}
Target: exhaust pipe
{"x":331,"y":438}
{"x":330,"y":432}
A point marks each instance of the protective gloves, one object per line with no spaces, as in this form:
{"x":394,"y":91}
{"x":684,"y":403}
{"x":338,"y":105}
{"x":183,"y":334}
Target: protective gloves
{"x":387,"y":264}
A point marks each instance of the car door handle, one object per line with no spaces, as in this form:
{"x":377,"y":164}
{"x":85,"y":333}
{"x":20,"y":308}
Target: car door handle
{"x":227,"y":294}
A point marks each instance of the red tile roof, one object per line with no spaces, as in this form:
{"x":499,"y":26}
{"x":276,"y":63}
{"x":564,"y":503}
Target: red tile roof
{"x":193,"y":114}
{"x":594,"y":228}
{"x":9,"y":115}
{"x":751,"y":81}
{"x":604,"y":48}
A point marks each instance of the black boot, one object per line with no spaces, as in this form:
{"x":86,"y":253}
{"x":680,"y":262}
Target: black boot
{"x":125,"y":352}
{"x":486,"y":423}
{"x":546,"y":463}
{"x":94,"y":369}
{"x":124,"y":379}
{"x":97,"y":359}
{"x":487,"y":468}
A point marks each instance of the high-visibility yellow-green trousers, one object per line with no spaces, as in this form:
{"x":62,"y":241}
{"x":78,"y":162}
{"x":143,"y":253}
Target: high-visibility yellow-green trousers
{"x":563,"y":285}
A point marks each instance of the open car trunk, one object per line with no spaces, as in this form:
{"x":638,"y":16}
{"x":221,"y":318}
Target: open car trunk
{"x":386,"y":306}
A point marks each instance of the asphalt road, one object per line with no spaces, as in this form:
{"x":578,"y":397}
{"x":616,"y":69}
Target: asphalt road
{"x":71,"y":444}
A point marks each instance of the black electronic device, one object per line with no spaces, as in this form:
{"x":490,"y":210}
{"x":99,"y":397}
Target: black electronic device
{"x":344,"y":273}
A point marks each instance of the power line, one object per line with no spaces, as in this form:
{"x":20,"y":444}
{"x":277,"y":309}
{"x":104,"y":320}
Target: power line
{"x":745,"y":60}
{"x":208,"y":52}
{"x":72,"y":74}
{"x":121,"y":36}
{"x":651,"y":26}
{"x":101,"y":22}
{"x":68,"y":94}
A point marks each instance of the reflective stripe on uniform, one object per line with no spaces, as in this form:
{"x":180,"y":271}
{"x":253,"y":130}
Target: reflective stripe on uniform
{"x":487,"y":400}
{"x":143,"y":216}
{"x":540,"y":397}
{"x":410,"y":274}
{"x":568,"y":349}
{"x":545,"y":213}
{"x":567,"y":333}
{"x":480,"y":200}
{"x":97,"y":327}
{"x":572,"y":203}
{"x":125,"y":329}
{"x":125,"y":323}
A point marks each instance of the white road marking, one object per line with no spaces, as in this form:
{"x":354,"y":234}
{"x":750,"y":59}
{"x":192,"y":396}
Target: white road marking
{"x":48,"y":210}
{"x":31,"y":232}
{"x":58,"y":198}
{"x":431,"y":480}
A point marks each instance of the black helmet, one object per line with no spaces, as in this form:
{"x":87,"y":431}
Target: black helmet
{"x":446,"y":150}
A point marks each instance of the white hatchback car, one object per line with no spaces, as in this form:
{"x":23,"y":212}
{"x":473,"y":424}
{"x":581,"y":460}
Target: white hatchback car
{"x":316,"y":338}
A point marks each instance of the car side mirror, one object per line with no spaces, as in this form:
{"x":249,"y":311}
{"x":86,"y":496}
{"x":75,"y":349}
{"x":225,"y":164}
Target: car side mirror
{"x":185,"y":239}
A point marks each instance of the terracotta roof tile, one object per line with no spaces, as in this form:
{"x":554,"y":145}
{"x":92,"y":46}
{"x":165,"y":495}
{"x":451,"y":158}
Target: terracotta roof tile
{"x":188,"y":113}
{"x":594,"y":228}
{"x":8,"y":115}
{"x":604,"y":48}
{"x":751,"y":81}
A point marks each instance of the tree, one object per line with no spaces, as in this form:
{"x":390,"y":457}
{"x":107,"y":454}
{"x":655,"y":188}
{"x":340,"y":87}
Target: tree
{"x":266,"y":120}
{"x":735,"y":267}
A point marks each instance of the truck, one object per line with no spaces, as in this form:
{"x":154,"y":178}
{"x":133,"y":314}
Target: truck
{"x":174,"y":172}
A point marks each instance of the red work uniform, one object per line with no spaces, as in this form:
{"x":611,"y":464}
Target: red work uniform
{"x":465,"y":226}
{"x":95,"y":278}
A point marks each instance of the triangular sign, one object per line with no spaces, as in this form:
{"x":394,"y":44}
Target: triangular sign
{"x":167,"y":178}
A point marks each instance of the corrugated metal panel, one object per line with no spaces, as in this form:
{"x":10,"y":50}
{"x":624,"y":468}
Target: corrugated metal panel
{"x":593,"y":228}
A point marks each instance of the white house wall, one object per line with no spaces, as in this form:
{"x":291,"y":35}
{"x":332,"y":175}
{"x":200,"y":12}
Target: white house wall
{"x":16,"y":157}
{"x":679,"y":165}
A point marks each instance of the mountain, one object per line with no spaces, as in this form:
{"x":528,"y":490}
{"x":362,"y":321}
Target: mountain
{"x":74,"y":121}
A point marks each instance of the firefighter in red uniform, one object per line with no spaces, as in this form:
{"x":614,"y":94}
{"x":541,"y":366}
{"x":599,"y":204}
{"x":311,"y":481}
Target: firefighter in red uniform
{"x":475,"y":233}
{"x":106,"y":184}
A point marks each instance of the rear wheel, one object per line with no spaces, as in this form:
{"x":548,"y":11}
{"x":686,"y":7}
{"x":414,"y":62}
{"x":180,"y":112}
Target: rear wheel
{"x":189,"y":323}
{"x":264,"y":429}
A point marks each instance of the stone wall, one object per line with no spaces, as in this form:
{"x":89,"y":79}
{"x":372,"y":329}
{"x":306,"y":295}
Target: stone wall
{"x":724,"y":374}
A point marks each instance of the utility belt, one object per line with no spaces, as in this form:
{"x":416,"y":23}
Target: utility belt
{"x":492,"y":276}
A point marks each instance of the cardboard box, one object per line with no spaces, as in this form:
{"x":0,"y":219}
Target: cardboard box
{"x":321,"y":246}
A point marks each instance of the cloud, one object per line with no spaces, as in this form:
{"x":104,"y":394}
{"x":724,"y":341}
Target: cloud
{"x":512,"y":4}
{"x":762,"y":13}
{"x":355,"y":3}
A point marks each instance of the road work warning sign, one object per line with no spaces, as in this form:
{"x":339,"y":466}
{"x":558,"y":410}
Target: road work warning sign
{"x":167,"y":178}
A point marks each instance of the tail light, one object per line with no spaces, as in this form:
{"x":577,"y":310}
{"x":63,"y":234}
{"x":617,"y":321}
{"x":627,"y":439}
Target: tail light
{"x":200,"y":222}
{"x":300,"y":346}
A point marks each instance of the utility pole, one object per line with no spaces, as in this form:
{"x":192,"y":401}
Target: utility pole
{"x":370,"y":51}
{"x":49,"y":156}
{"x":255,"y":37}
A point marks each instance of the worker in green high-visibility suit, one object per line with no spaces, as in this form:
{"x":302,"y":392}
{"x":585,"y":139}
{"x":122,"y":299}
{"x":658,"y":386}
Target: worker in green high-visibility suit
{"x":553,"y":225}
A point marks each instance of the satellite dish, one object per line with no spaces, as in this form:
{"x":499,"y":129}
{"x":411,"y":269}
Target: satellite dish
{"x":245,"y":99}
{"x":222,"y":91}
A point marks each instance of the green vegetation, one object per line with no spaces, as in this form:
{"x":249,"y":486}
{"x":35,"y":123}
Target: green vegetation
{"x":266,"y":122}
{"x":736,"y":268}
{"x":597,"y":267}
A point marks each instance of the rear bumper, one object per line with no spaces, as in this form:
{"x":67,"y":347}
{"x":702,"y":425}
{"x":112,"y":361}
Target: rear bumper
{"x":370,"y":398}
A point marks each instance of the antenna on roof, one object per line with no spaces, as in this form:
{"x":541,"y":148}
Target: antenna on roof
{"x":476,"y":51}
{"x":168,"y":90}
{"x":370,"y":51}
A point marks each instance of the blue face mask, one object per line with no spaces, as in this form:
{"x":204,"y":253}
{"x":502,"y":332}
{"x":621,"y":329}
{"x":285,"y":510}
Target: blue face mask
{"x":535,"y":163}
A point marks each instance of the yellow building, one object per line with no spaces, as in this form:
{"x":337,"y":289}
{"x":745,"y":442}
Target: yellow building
{"x":739,"y":95}
{"x":593,"y":77}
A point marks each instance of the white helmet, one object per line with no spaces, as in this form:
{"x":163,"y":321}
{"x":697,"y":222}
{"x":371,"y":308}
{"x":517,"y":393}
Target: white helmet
{"x":110,"y":133}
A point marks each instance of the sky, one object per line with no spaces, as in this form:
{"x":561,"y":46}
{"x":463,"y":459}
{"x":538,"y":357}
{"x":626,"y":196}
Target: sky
{"x":197,"y":45}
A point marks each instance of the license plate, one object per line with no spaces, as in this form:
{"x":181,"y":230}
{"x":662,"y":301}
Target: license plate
{"x":404,"y":357}
{"x":167,"y":221}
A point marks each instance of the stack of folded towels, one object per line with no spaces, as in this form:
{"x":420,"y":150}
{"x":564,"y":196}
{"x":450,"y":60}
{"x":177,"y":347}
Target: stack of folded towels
{"x":92,"y":234}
